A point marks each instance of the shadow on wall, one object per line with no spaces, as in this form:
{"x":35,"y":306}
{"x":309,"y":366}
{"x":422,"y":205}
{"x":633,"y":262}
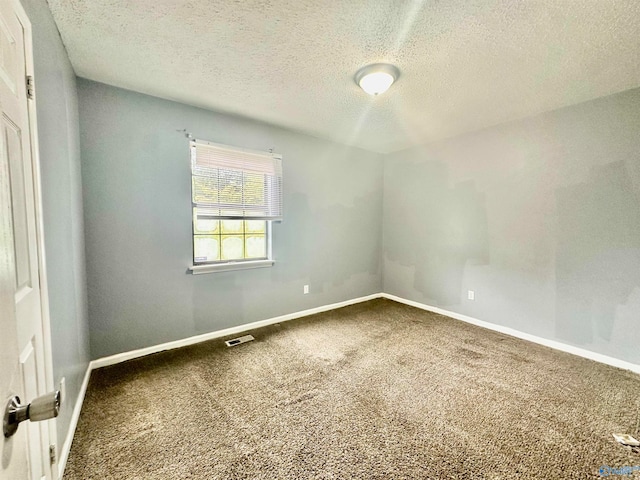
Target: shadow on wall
{"x":436,"y":228}
{"x":328,"y":245}
{"x":598,"y":252}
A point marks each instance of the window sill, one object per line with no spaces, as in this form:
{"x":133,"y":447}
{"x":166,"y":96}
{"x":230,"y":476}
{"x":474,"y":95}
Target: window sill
{"x":226,"y":267}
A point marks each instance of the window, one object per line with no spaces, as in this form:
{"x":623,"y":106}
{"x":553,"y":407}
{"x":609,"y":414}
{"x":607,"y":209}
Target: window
{"x":236,"y":194}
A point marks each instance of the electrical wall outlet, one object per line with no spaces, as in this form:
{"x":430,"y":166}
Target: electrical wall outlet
{"x":471,"y":295}
{"x":305,"y":290}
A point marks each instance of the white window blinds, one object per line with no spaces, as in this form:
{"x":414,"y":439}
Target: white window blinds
{"x":233,"y":183}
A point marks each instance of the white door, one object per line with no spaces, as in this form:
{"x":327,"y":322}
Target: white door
{"x":25,"y":368}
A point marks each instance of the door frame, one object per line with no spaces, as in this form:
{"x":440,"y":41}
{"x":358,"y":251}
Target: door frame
{"x":37,"y":191}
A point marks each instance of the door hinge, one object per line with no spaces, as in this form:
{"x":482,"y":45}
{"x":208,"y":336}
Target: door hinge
{"x":31,"y":89}
{"x":52,"y":454}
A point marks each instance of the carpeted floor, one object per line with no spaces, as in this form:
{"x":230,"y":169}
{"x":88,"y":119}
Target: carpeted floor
{"x":378,"y":390}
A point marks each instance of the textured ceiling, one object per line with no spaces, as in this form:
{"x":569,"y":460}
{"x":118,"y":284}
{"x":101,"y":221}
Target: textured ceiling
{"x":465,"y":64}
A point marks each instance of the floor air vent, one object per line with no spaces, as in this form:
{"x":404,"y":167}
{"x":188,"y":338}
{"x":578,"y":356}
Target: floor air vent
{"x":239,"y":340}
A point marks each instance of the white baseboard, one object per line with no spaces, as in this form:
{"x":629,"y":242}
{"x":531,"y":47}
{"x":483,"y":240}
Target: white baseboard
{"x":123,"y":357}
{"x":598,"y":357}
{"x":66,"y":448}
{"x":581,"y":352}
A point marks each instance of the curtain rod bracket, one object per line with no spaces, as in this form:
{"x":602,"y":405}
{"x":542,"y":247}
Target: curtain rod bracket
{"x":186,"y":134}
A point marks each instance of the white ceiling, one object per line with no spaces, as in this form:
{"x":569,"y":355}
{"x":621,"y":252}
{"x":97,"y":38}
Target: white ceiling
{"x":465,"y":64}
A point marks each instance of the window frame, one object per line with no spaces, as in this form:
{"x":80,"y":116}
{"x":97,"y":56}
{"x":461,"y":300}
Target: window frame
{"x":228,"y":265}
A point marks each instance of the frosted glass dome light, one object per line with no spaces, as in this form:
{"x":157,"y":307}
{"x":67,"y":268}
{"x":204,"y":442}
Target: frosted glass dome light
{"x":377,"y":78}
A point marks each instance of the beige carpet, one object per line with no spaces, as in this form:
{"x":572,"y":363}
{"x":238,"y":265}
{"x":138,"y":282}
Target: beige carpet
{"x":377,"y":390}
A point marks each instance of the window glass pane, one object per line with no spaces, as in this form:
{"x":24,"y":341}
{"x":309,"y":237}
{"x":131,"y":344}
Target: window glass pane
{"x":206,"y":248}
{"x":232,"y":247}
{"x":205,"y":189}
{"x":253,"y":189}
{"x":230,"y":182}
{"x":204,"y":224}
{"x":256,"y":246}
{"x":255,"y":226}
{"x":231,"y":226}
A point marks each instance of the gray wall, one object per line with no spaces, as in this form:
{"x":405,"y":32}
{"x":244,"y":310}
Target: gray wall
{"x":540,"y":217}
{"x":136,"y":179}
{"x":57,"y":111}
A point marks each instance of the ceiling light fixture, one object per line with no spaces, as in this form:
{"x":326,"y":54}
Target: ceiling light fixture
{"x":377,"y":78}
